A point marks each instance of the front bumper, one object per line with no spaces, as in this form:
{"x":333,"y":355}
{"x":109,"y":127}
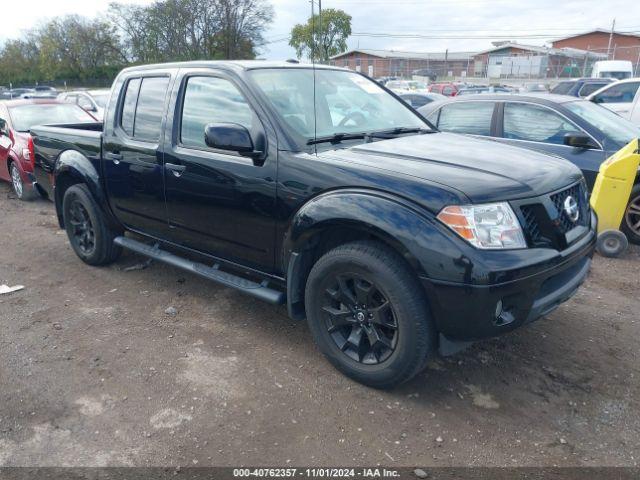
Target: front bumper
{"x":468,"y":312}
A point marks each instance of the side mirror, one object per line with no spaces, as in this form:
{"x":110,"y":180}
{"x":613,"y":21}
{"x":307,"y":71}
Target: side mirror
{"x":579,"y":140}
{"x":232,"y":137}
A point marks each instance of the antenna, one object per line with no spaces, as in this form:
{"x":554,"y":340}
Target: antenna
{"x":313,"y":63}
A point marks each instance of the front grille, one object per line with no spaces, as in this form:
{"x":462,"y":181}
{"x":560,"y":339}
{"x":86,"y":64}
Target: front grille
{"x":545,"y":222}
{"x":558,"y":199}
{"x":532,"y":227}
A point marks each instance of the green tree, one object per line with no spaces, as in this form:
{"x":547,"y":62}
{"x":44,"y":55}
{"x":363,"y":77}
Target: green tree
{"x":323,"y":36}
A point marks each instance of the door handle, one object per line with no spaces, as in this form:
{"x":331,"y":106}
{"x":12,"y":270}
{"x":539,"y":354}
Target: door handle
{"x":115,"y":156}
{"x":177,"y":170}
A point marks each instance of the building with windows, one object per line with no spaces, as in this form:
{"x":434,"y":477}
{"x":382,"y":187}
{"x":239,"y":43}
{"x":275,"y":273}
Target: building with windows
{"x":515,"y":60}
{"x":617,"y":46}
{"x":389,"y":63}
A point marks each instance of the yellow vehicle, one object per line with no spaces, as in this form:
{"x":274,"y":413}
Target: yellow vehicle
{"x":610,"y":198}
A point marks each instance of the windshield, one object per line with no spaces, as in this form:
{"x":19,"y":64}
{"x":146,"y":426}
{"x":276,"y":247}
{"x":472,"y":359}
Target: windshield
{"x":345,"y":102}
{"x":613,"y":126}
{"x":26,"y":116}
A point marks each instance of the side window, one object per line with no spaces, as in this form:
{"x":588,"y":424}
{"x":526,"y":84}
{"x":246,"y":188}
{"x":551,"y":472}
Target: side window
{"x":211,"y":100}
{"x":150,"y":108}
{"x":447,"y":91}
{"x":467,"y":117}
{"x":129,"y":106}
{"x":589,"y":88}
{"x":536,"y":124}
{"x":621,"y":93}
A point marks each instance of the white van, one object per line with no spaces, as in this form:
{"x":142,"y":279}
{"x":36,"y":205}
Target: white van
{"x":622,"y":97}
{"x":618,"y":69}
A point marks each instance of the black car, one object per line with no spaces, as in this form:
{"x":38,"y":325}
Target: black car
{"x":580,"y":131}
{"x":317,"y":189}
{"x":580,"y":87}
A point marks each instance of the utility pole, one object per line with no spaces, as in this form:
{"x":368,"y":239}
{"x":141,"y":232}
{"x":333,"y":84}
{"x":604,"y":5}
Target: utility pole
{"x":613,"y":26}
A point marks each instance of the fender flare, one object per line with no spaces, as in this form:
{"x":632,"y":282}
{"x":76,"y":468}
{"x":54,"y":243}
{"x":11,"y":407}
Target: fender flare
{"x":73,"y":167}
{"x":408,"y":228}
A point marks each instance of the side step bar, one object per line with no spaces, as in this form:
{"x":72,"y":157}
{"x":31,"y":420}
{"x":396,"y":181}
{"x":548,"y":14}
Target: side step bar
{"x":258,"y":290}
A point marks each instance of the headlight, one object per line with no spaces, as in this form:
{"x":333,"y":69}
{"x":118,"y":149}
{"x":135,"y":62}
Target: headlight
{"x":490,"y":226}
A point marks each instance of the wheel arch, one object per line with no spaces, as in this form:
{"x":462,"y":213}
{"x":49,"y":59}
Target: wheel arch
{"x":72,"y":168}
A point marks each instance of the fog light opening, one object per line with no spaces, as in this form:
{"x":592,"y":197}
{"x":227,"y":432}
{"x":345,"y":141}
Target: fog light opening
{"x":503,"y":316}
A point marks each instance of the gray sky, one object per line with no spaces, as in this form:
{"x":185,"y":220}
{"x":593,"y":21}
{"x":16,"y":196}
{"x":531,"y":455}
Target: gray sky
{"x":451,"y":18}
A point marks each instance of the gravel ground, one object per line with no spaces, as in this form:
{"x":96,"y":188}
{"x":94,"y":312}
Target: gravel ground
{"x":94,"y":371}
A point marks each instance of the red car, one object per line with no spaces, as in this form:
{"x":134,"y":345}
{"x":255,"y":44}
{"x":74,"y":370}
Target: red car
{"x":16,"y":146}
{"x":447,"y":89}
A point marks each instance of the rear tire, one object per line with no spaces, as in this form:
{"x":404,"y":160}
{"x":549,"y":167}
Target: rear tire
{"x":368,"y":314}
{"x":631,"y":221}
{"x":22,"y":191}
{"x":88,"y":231}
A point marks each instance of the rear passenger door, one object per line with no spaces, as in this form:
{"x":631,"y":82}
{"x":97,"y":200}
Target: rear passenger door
{"x":132,"y":154}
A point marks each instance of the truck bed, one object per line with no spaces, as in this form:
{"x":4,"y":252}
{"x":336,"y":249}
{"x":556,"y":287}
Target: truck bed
{"x":50,"y":141}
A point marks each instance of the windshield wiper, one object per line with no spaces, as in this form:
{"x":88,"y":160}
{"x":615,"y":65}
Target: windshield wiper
{"x":337,"y":138}
{"x":398,"y":131}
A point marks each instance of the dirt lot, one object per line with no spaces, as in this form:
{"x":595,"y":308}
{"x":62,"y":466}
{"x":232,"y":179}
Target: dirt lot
{"x":94,"y":372}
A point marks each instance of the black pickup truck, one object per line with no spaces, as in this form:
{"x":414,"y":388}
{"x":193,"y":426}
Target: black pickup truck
{"x":319,"y":189}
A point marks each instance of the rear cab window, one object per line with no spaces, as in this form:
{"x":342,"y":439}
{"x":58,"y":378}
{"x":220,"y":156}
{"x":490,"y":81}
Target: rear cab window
{"x":143,"y":108}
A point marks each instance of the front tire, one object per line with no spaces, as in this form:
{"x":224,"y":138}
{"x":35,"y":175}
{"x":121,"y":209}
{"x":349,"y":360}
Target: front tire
{"x":368,"y":314}
{"x":88,"y":231}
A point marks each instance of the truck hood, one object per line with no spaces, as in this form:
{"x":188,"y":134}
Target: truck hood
{"x":483,"y":170}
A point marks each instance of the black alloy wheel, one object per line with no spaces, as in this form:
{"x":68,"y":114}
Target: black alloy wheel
{"x":360,"y":319}
{"x":83,"y":235}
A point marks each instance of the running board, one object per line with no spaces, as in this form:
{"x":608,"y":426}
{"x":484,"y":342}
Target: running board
{"x":258,"y":290}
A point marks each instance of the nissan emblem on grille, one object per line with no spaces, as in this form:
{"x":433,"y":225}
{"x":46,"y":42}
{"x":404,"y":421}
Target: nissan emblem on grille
{"x":571,"y":209}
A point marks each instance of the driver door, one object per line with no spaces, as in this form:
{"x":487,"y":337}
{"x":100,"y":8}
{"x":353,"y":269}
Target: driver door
{"x":219,"y":202}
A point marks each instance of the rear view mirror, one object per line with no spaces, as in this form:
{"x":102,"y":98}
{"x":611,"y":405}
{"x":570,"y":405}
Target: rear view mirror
{"x":579,"y":140}
{"x":230,"y":136}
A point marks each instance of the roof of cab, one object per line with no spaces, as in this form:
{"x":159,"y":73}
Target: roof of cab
{"x":238,"y":65}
